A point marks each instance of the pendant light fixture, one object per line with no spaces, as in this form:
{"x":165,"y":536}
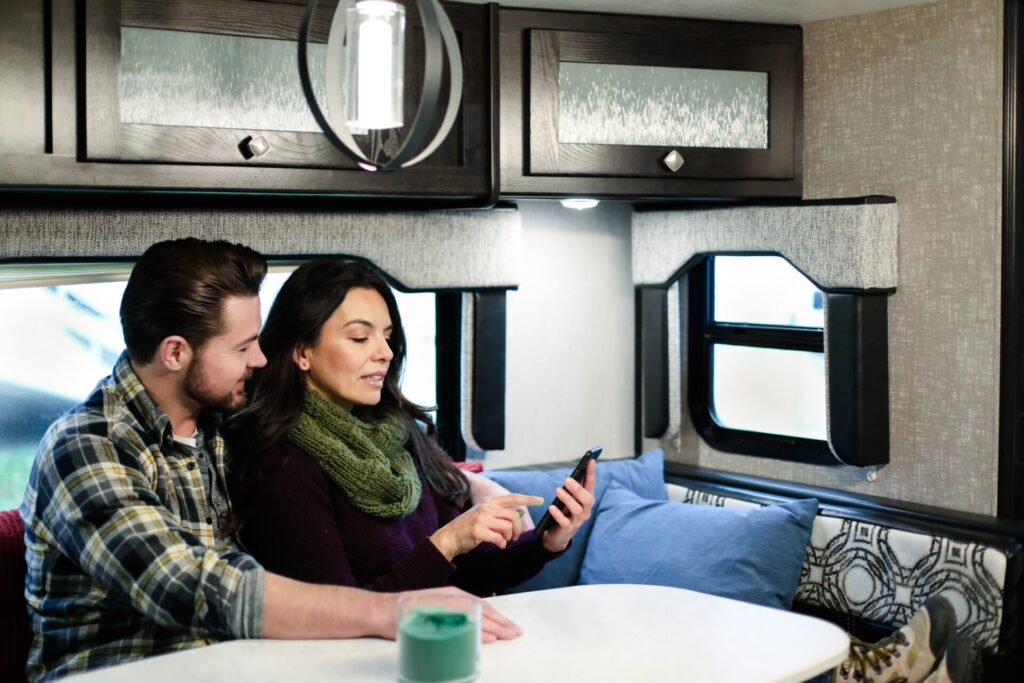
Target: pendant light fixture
{"x":366,"y":53}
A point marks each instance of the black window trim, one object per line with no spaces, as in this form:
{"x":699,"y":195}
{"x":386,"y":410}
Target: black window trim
{"x":704,"y":333}
{"x":488,"y":370}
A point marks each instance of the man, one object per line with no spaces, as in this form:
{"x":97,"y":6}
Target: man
{"x":126,"y":553}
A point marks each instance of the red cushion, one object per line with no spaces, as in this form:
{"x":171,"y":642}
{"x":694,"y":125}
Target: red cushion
{"x":471,"y":466}
{"x":16,"y":635}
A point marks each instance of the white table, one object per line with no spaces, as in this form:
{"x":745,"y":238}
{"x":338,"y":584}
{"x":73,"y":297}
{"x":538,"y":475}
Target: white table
{"x":625,"y":633}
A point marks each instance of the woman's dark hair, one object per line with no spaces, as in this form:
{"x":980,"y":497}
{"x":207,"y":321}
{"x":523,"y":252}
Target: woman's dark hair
{"x":276,"y":394}
{"x":179,"y":287}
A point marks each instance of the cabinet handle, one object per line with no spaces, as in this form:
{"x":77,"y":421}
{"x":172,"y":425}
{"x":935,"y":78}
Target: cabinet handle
{"x":673,"y":161}
{"x":254,"y":146}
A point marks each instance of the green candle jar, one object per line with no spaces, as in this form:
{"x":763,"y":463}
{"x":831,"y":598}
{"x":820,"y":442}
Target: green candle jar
{"x":438,"y":638}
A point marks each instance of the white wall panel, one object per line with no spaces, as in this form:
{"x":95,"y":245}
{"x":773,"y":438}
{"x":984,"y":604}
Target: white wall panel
{"x":570,"y":337}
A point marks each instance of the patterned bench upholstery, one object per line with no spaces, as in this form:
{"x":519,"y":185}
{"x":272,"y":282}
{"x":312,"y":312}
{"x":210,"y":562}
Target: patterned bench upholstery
{"x":869,"y":567}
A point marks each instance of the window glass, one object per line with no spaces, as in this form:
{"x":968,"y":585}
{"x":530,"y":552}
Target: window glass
{"x":56,"y":342}
{"x":59,"y":340}
{"x":775,"y":391}
{"x":765,"y":290}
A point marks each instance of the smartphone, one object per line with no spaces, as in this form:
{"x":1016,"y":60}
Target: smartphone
{"x":579,"y":473}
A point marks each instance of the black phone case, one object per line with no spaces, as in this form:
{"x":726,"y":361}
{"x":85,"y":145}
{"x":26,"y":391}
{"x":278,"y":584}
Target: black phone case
{"x":578,"y":473}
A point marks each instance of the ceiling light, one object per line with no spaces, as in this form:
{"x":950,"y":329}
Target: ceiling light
{"x":579,"y":203}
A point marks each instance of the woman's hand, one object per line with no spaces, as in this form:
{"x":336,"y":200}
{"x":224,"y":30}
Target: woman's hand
{"x":496,"y":520}
{"x":579,"y":501}
{"x":481,"y":488}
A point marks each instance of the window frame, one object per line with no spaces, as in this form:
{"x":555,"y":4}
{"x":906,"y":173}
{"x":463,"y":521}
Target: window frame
{"x":448,"y":344}
{"x":704,"y":333}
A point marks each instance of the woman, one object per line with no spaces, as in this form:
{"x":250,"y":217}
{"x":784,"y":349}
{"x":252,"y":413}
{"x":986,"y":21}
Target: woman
{"x":339,"y":482}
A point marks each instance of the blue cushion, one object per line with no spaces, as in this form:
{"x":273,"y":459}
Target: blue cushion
{"x":752,"y":554}
{"x":644,"y":475}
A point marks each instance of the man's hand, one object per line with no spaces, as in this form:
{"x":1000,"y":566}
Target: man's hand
{"x":495,"y":626}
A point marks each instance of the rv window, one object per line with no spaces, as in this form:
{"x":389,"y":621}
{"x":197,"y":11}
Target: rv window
{"x":757,"y":382}
{"x":61,"y":334}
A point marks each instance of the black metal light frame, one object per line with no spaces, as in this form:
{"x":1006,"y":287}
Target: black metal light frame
{"x":439,"y":40}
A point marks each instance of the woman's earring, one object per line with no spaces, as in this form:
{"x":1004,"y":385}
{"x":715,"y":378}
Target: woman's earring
{"x":305,"y":365}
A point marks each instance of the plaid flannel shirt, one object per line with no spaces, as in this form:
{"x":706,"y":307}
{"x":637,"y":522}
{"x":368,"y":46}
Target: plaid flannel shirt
{"x":122,"y":550}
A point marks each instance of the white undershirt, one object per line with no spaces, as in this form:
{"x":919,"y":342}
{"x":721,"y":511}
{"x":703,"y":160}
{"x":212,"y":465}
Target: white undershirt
{"x":189,"y":441}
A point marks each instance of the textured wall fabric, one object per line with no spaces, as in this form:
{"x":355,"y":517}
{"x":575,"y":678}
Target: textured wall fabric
{"x":839,"y":247}
{"x":908,"y":103}
{"x":424,"y":250}
{"x":473,"y":449}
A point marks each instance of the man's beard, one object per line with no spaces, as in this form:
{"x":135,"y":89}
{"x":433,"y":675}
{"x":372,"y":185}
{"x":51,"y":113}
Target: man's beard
{"x":196,"y":389}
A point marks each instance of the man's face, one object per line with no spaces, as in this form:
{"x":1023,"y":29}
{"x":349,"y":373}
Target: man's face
{"x":216,"y":376}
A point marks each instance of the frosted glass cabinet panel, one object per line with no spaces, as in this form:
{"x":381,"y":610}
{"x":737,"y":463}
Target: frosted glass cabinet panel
{"x":618,"y":104}
{"x":184,"y":78}
{"x":211,"y":91}
{"x":661,"y":106}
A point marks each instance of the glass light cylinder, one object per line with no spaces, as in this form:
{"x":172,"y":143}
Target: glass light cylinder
{"x":375,"y":54}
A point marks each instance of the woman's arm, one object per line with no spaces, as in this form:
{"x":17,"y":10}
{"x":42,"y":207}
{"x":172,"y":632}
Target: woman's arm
{"x":487,"y":569}
{"x":293,"y":531}
{"x":496,"y":520}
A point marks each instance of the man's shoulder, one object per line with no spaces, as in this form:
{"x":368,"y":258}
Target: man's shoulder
{"x":92,"y":442}
{"x":101,"y":422}
{"x":104,"y":407}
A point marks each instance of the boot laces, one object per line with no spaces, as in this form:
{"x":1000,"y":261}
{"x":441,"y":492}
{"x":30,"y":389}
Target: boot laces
{"x":870,"y":658}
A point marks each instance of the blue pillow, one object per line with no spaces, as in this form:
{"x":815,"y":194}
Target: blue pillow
{"x":752,"y":554}
{"x":644,"y":475}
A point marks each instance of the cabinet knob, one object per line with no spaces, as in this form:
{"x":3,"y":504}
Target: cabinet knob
{"x":254,"y":146}
{"x":673,"y":161}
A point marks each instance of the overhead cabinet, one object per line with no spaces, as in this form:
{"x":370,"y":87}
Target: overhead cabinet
{"x":641,"y":106}
{"x":205,"y":94}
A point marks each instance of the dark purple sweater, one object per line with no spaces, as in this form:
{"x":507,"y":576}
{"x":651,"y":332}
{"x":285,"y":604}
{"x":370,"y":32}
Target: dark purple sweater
{"x":303,"y":526}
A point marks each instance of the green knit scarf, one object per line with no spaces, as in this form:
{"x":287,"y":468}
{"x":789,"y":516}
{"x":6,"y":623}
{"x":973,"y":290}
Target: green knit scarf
{"x":368,"y":461}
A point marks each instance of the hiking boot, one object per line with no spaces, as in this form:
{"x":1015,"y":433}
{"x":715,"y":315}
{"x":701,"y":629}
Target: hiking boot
{"x":961,"y":663}
{"x":908,"y":655}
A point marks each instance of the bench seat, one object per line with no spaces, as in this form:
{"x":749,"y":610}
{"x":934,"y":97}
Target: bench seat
{"x":871,"y":562}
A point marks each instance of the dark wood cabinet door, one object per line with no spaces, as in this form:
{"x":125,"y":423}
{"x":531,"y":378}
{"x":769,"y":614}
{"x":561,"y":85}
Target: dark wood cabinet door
{"x":22,"y":69}
{"x":171,"y":93}
{"x":649,"y":107}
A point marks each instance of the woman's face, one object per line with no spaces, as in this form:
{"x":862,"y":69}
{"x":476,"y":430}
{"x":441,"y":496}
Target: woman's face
{"x":347,"y":365}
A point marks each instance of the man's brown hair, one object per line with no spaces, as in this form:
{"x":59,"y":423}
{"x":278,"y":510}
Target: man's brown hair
{"x":178,"y":287}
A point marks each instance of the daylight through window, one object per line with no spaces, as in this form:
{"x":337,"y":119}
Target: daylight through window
{"x":58,"y":340}
{"x":757,"y":357}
